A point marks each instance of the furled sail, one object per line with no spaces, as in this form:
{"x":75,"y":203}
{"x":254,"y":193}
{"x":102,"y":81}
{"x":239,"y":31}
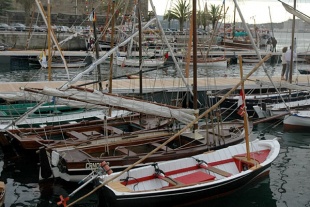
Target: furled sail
{"x":295,"y":12}
{"x":28,"y":96}
{"x":183,"y":115}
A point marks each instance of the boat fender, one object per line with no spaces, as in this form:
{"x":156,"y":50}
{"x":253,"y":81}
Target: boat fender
{"x":106,"y":167}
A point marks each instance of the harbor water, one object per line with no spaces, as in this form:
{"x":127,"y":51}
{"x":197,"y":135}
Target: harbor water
{"x":288,"y":184}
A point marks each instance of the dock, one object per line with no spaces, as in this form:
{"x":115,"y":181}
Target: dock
{"x":125,"y":86}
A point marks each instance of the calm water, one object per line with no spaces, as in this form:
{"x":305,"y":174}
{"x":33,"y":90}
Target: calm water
{"x":287,"y":185}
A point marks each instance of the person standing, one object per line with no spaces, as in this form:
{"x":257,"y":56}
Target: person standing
{"x":274,"y":44}
{"x":284,"y":49}
{"x":288,"y":55}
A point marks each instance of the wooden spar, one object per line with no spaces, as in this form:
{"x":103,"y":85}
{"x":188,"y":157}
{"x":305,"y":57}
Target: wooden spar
{"x":111,"y":56}
{"x":140,"y":49}
{"x":49,"y":29}
{"x":96,"y":49}
{"x":270,"y":22}
{"x":110,"y":94}
{"x":43,"y":14}
{"x":177,"y":134}
{"x":195,"y":105}
{"x":189,"y":49}
{"x":112,"y":45}
{"x":245,"y":114}
{"x":292,"y":46}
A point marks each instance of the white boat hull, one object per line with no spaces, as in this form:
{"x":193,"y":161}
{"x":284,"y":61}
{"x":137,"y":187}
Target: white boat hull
{"x":221,"y":175}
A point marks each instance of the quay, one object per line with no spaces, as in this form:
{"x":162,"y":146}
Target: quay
{"x":131,"y":86}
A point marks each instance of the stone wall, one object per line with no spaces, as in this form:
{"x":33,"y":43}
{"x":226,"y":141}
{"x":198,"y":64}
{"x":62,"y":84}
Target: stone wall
{"x":39,"y":41}
{"x":78,"y":9}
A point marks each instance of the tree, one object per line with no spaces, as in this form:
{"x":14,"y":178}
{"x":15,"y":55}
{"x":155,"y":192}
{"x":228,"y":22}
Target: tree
{"x":181,"y":11}
{"x":202,"y":17}
{"x":27,"y":5}
{"x":5,"y":5}
{"x":214,"y":15}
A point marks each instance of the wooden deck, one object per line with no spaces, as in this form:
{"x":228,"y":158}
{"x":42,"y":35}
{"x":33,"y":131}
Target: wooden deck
{"x":154,"y":85}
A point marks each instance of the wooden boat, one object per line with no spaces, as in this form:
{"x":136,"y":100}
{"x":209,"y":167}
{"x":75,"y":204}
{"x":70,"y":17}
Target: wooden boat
{"x":304,"y":71}
{"x":297,"y":121}
{"x":75,"y":163}
{"x":134,"y":62}
{"x":281,"y":108}
{"x":220,"y":62}
{"x":259,"y":97}
{"x":190,"y":179}
{"x":2,"y":193}
{"x":47,"y":114}
{"x":28,"y":140}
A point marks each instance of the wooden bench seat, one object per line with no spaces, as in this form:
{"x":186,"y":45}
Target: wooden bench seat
{"x":126,"y":151}
{"x":218,"y":171}
{"x":113,"y":130}
{"x":77,"y":135}
{"x":119,"y":187}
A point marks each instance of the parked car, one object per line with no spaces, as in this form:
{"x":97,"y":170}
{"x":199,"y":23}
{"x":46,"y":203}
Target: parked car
{"x":37,"y":28}
{"x":6,"y":27}
{"x":80,"y":29}
{"x":19,"y":26}
{"x":63,"y":29}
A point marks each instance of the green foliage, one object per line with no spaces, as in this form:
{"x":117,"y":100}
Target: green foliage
{"x":214,"y":14}
{"x":181,"y":11}
{"x":5,"y":5}
{"x":202,"y":18}
{"x":27,"y":5}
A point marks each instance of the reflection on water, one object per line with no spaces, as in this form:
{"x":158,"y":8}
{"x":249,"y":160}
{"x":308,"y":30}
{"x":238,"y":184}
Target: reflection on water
{"x":290,"y":177}
{"x":24,"y":189}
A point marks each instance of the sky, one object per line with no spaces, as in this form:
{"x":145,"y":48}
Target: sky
{"x":253,"y":11}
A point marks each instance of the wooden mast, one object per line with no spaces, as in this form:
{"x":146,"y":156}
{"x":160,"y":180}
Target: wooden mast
{"x":189,"y":49}
{"x":112,"y":45}
{"x":52,"y":35}
{"x":195,"y":60}
{"x":292,"y":46}
{"x":49,"y":61}
{"x":96,"y":48}
{"x":140,"y":47}
{"x":245,"y":114}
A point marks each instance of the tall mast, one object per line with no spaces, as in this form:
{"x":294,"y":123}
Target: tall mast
{"x":245,"y":114}
{"x":49,"y":61}
{"x":292,"y":46}
{"x":112,"y":45}
{"x":194,"y":59}
{"x":96,"y":48}
{"x":140,"y":47}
